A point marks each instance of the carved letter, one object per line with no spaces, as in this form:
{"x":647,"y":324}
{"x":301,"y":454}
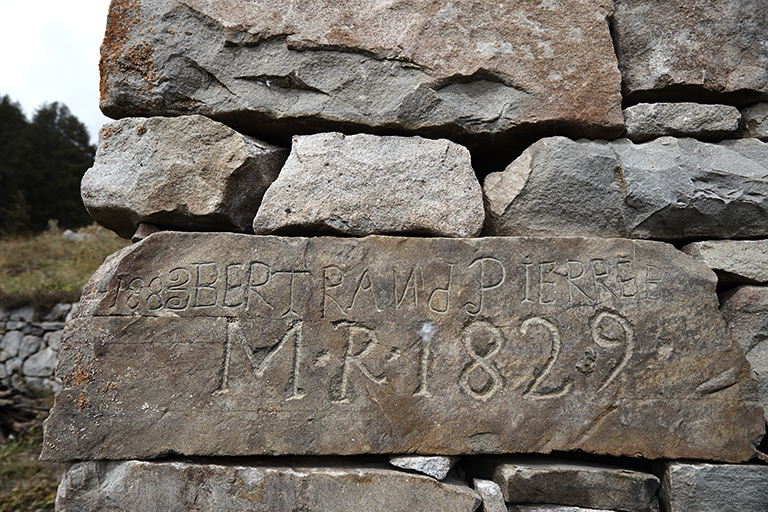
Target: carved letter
{"x":230,"y":287}
{"x":543,"y":282}
{"x":258,"y":275}
{"x":329,"y":282}
{"x":470,"y":306}
{"x":350,"y":358}
{"x":447,"y":291}
{"x":206,"y":294}
{"x":571,"y":277}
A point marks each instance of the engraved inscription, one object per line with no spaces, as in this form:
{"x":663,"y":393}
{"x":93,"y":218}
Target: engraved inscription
{"x":481,"y":362}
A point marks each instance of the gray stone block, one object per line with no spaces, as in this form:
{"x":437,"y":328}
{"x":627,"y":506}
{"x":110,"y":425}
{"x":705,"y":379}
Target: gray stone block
{"x":52,"y":339}
{"x":435,"y":466}
{"x":754,"y":122}
{"x":29,"y":345}
{"x":734,"y":261}
{"x":528,"y":480}
{"x":260,"y":485}
{"x":11,"y":342}
{"x":57,"y":313}
{"x":490,"y":493}
{"x":40,"y":364}
{"x":646,"y":121}
{"x":23,"y":314}
{"x":714,"y":487}
{"x":366,"y":184}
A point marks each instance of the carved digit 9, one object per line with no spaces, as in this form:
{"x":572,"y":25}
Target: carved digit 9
{"x":485,"y":362}
{"x":534,"y":390}
{"x":598,"y":326}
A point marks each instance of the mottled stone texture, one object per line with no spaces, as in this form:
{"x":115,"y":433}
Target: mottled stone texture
{"x":538,"y":480}
{"x":692,"y":50}
{"x":467,"y":70}
{"x":188,"y":173}
{"x":259,"y":485}
{"x":667,"y":189}
{"x":230,"y":344}
{"x":745,"y":310}
{"x":734,"y":261}
{"x":435,"y":466}
{"x":647,"y":121}
{"x":754,"y":121}
{"x":367,"y":185}
{"x":713,"y":487}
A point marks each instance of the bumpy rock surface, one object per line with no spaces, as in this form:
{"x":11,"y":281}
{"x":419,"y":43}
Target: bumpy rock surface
{"x":745,"y":310}
{"x":260,"y":485}
{"x":188,"y":173}
{"x":734,"y":261}
{"x":490,"y":493}
{"x":714,"y":487}
{"x":551,"y":508}
{"x":703,"y":50}
{"x":462,"y":70}
{"x":552,"y":481}
{"x":232,"y":344}
{"x":647,"y":121}
{"x":366,"y":184}
{"x":668,"y":189}
{"x":434,"y":466}
{"x":754,"y":121}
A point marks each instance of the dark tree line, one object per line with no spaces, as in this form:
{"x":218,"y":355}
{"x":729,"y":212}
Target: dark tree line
{"x":41,"y":164}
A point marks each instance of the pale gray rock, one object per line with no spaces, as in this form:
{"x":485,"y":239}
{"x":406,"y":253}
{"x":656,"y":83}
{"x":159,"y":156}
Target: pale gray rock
{"x":13,"y":364}
{"x":40,"y":364}
{"x":383,"y":345}
{"x":71,"y":236}
{"x":57,"y":313}
{"x":435,"y":466}
{"x":745,"y":310}
{"x":468,"y":70}
{"x":711,"y":51}
{"x":24,"y":314}
{"x":52,"y":339}
{"x":15,"y":325}
{"x":734,"y":261}
{"x":72,"y":312}
{"x":668,"y":189}
{"x":52,"y":326}
{"x":4,"y":356}
{"x":713,"y":487}
{"x":260,"y":485}
{"x":646,"y":121}
{"x":11,"y":342}
{"x":367,"y":184}
{"x":538,"y":480}
{"x":29,"y":345}
{"x":3,"y":371}
{"x":187,"y":172}
{"x":754,"y":122}
{"x":490,"y":493}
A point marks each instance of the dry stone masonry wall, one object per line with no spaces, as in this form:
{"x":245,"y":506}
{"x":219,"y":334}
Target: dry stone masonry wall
{"x":469,"y":255}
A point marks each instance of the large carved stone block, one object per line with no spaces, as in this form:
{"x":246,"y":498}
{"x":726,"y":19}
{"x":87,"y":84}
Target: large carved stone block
{"x":463,"y":70}
{"x":232,"y":344}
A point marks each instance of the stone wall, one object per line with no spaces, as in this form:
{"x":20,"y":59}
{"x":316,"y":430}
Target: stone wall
{"x":29,"y":344}
{"x":406,"y":256}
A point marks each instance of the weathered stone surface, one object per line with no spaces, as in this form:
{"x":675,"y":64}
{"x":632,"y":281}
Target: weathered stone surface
{"x":647,"y":121}
{"x":366,"y":184}
{"x":531,"y":480}
{"x":52,"y":339}
{"x":260,"y":485}
{"x":29,"y":345}
{"x":754,"y":122}
{"x":11,"y":342}
{"x":465,"y":70}
{"x":706,"y":50}
{"x":734,"y":261}
{"x":551,"y":508}
{"x":714,"y":487}
{"x":668,"y":189}
{"x":233,"y":344}
{"x":40,"y":364}
{"x":490,"y":493}
{"x":435,"y":466}
{"x":745,"y":310}
{"x":186,"y":172}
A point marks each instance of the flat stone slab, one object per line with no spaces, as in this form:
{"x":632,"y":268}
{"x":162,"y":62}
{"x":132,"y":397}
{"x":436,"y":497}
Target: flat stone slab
{"x":187,"y":173}
{"x":372,"y":185}
{"x":710,"y":51}
{"x":227,"y":344}
{"x":666,"y":189}
{"x":551,"y":508}
{"x":754,"y":121}
{"x":532,"y":480}
{"x":646,"y":121}
{"x":714,"y":487}
{"x":734,"y":261}
{"x":435,"y":466}
{"x":259,"y":485}
{"x":465,"y":70}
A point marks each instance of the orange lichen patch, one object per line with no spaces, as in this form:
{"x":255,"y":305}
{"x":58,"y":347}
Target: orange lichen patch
{"x":123,"y":16}
{"x":108,"y":132}
{"x":140,"y":59}
{"x":83,"y":402}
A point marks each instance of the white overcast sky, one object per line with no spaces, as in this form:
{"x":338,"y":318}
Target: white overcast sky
{"x":49,"y":51}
